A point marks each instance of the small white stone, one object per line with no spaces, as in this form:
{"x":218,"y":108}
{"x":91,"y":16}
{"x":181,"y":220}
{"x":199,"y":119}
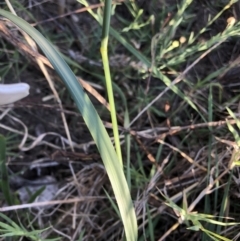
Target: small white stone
{"x":48,"y":194}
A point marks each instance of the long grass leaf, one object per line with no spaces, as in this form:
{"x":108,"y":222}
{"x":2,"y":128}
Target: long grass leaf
{"x":94,"y":124}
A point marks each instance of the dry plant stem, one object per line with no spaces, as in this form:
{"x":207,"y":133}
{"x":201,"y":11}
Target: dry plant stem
{"x":188,"y":158}
{"x":58,"y":222}
{"x":206,"y":191}
{"x":29,"y":136}
{"x":81,"y":10}
{"x":152,"y":183}
{"x":25,"y":136}
{"x":149,"y":133}
{"x":54,"y":202}
{"x":47,"y":76}
{"x":174,"y":227}
{"x":175,"y":129}
{"x":37,"y":140}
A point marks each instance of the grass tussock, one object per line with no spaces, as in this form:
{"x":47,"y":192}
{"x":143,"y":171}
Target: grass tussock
{"x":174,"y":67}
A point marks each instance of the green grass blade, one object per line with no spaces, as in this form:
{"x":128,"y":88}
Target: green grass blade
{"x":4,"y":173}
{"x":94,"y":124}
{"x":104,"y":53}
{"x":7,"y":219}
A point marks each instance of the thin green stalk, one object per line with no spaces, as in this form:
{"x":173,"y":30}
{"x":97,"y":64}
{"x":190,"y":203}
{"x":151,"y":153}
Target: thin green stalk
{"x":104,"y":53}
